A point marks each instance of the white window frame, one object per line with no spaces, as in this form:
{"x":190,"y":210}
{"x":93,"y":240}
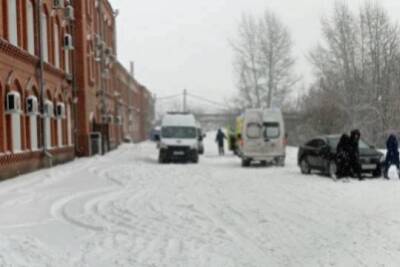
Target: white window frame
{"x":12,"y":22}
{"x":56,"y":46}
{"x":66,"y":61}
{"x":45,"y":42}
{"x":30,"y":26}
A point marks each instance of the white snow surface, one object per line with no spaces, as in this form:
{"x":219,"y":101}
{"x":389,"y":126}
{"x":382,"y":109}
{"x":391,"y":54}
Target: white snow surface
{"x":124,"y":209}
{"x":393,"y":173}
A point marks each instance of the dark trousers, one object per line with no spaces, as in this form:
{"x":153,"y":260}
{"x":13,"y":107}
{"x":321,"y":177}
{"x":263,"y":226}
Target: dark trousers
{"x":356,"y":168}
{"x":221,"y":150}
{"x":389,"y":163}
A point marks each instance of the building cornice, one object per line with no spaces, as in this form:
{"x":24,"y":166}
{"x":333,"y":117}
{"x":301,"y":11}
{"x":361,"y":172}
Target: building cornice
{"x":22,"y":55}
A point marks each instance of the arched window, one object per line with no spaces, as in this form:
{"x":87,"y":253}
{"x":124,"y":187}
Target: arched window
{"x":60,"y":116}
{"x":69,"y":124}
{"x":13,"y":109}
{"x":32,"y":113}
{"x":30,"y":27}
{"x":56,"y":46}
{"x":44,"y":19}
{"x":48,"y":115}
{"x":12,"y":22}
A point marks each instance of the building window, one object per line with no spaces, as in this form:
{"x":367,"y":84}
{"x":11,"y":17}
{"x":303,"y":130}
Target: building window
{"x":69,"y":124}
{"x":66,"y":61}
{"x":13,"y":108}
{"x":56,"y":46}
{"x":32,"y":112}
{"x":45,"y":37}
{"x":12,"y":22}
{"x":30,"y":27}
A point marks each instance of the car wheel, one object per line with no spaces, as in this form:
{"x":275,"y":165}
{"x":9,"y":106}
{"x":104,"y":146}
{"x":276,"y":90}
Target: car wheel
{"x":304,"y":166}
{"x":332,"y":169}
{"x":195,"y":157}
{"x":161,"y":159}
{"x":377,"y":173}
{"x":280,"y":162}
{"x":264,"y":163}
{"x":246,"y":162}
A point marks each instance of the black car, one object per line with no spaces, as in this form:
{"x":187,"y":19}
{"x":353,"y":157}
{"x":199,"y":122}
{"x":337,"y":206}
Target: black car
{"x":320,"y":153}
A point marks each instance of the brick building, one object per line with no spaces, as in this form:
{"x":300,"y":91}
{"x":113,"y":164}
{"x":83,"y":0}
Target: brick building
{"x":109,"y":97}
{"x":64,"y":94}
{"x":35,"y":117}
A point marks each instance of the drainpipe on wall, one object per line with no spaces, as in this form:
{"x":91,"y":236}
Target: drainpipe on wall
{"x":46,"y":153}
{"x":74,"y":82}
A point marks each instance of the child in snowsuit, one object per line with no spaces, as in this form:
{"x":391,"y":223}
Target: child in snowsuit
{"x":392,"y":155}
{"x":343,"y":157}
{"x":355,"y":165}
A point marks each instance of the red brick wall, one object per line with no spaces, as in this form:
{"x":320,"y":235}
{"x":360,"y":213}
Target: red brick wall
{"x":18,"y":71}
{"x":89,"y":79}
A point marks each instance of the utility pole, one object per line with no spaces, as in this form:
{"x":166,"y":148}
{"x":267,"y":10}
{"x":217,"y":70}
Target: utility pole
{"x":184,"y":105}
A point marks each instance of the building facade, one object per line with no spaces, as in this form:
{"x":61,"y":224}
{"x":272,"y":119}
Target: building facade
{"x":62,"y":88}
{"x":108,"y":94}
{"x":36,"y":112}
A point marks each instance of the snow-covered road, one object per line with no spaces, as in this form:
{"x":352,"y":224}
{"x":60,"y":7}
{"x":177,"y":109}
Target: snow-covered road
{"x":125,"y":209}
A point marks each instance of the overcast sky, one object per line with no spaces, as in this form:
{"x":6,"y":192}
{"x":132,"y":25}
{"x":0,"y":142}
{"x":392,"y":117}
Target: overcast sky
{"x":178,"y":44}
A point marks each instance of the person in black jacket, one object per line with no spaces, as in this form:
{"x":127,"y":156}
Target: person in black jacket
{"x":392,"y":155}
{"x":220,"y":141}
{"x":354,"y":150}
{"x":343,"y":157}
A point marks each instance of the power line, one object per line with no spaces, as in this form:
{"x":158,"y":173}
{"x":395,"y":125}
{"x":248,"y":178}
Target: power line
{"x":168,"y":97}
{"x":208,"y":101}
{"x":220,"y":105}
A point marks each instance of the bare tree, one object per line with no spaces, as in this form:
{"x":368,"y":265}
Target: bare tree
{"x":358,"y":63}
{"x":263,"y":61}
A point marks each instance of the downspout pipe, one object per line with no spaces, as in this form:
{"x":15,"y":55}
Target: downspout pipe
{"x":42,"y":97}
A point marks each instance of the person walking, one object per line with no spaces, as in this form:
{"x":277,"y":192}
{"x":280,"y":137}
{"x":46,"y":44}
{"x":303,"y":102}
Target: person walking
{"x":232,"y":140}
{"x":220,"y":138}
{"x":354,"y":150}
{"x":343,"y":157}
{"x":392,"y":155}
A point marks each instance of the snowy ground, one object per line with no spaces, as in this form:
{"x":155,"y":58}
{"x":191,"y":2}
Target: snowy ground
{"x":125,"y":209}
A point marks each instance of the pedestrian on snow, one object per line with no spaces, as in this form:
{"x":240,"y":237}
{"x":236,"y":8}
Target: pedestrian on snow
{"x":392,"y":155}
{"x":355,"y":165}
{"x":343,"y":157}
{"x":232,"y":140}
{"x":220,"y":141}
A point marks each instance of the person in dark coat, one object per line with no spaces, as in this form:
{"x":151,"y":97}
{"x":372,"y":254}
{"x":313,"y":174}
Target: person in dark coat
{"x":232,"y":140}
{"x":343,"y":157}
{"x":392,"y":155}
{"x":220,"y":138}
{"x":355,"y":165}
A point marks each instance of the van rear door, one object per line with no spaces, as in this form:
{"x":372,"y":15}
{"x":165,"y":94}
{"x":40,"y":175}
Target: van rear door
{"x":254,"y":137}
{"x":272,"y":137}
